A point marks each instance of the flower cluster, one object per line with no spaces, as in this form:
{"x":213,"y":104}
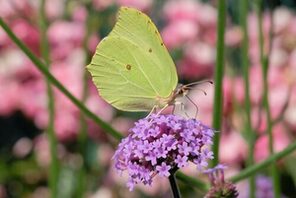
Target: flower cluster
{"x":159,"y":143}
{"x":220,"y":187}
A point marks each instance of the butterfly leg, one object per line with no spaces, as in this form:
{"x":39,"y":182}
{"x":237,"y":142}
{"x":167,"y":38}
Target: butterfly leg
{"x":152,"y":110}
{"x":162,"y":109}
{"x":183,"y":108}
{"x":174,"y":108}
{"x":196,"y":112}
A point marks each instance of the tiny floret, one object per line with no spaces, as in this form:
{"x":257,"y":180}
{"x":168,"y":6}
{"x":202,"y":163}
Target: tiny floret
{"x":159,"y":143}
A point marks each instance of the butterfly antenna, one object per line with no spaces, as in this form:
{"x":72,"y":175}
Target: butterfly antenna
{"x":152,"y":111}
{"x":198,"y":83}
{"x":198,"y":89}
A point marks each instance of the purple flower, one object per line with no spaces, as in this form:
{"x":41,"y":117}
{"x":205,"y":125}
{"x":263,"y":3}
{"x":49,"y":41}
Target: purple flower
{"x":159,"y":143}
{"x":163,"y":169}
{"x":181,"y":161}
{"x":220,"y":187}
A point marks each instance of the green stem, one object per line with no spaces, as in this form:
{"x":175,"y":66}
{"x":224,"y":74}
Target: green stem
{"x":54,"y":164}
{"x":264,"y":59}
{"x":173,"y":183}
{"x":245,"y":64}
{"x":82,"y":138}
{"x":247,"y":172}
{"x":44,"y":70}
{"x":218,"y":99}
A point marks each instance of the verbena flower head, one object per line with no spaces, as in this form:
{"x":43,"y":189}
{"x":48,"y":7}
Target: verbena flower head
{"x":220,"y":187}
{"x":159,"y":143}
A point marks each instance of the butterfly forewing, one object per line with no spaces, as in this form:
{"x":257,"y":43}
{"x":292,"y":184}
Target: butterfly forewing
{"x":131,"y":66}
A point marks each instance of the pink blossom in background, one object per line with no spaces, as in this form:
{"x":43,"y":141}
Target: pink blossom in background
{"x":42,"y":150}
{"x":14,"y":7}
{"x":54,"y":8}
{"x":205,"y":102}
{"x":80,"y":14}
{"x":122,"y":124}
{"x":282,"y":18}
{"x":256,"y":86}
{"x":6,"y":8}
{"x":27,"y":33}
{"x":198,"y":61}
{"x":232,"y":141}
{"x":64,"y":36}
{"x":102,"y":4}
{"x":4,"y":40}
{"x":9,"y":97}
{"x":34,"y":100}
{"x":97,"y":105}
{"x":278,"y":97}
{"x":181,"y":10}
{"x":207,"y":16}
{"x":233,"y":36}
{"x":93,"y":42}
{"x":178,"y":32}
{"x":280,"y":138}
{"x":191,"y":26}
{"x":142,"y":5}
{"x":66,"y":125}
{"x":279,"y":57}
{"x":254,"y":37}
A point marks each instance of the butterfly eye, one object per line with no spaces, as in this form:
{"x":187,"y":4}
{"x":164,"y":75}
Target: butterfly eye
{"x":128,"y":67}
{"x":150,"y":50}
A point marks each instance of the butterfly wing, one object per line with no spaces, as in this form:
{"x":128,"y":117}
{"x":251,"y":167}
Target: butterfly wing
{"x":131,"y":66}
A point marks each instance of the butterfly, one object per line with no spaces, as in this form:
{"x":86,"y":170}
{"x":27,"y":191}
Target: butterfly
{"x":132,"y":68}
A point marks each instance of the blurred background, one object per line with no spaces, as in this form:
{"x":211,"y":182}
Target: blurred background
{"x":188,"y":28}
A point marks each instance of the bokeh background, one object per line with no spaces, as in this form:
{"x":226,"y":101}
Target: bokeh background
{"x":188,"y":28}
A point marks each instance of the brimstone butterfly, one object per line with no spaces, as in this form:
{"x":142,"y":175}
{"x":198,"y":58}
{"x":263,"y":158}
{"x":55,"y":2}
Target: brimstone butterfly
{"x":132,"y":68}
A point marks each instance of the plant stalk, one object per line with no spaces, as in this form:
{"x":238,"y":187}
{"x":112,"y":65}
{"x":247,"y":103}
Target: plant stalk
{"x":264,"y":59}
{"x":218,"y":98}
{"x":245,"y":64}
{"x":54,"y":163}
{"x":173,"y":183}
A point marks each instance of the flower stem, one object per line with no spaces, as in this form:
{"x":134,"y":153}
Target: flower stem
{"x":44,"y":70}
{"x":54,"y":164}
{"x":264,"y":59}
{"x":173,"y":183}
{"x":218,"y":99}
{"x":82,"y":138}
{"x":245,"y":64}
